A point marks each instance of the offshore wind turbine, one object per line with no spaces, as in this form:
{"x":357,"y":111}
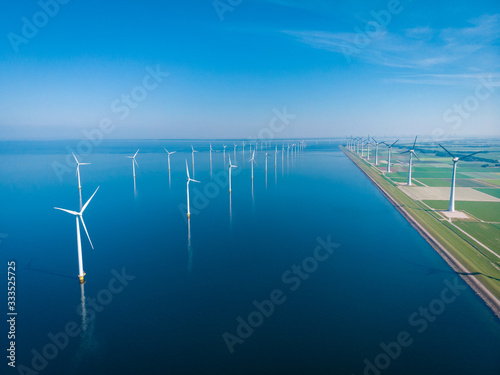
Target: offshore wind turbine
{"x":168,"y":156}
{"x":189,"y":179}
{"x":252,"y":161}
{"x":134,"y":162}
{"x":451,"y":206}
{"x":410,"y":163}
{"x":230,"y":167}
{"x":235,"y":145}
{"x":79,"y":215}
{"x":192,"y":155}
{"x":224,"y":146}
{"x":78,"y":170}
{"x":389,"y":155}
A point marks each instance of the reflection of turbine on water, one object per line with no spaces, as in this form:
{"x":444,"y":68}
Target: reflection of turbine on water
{"x":88,"y":344}
{"x":231,"y":209}
{"x":190,"y":250}
{"x":253,"y":198}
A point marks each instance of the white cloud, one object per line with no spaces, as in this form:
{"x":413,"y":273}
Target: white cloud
{"x":420,"y":48}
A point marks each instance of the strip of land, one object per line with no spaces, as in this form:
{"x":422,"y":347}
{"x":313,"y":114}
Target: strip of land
{"x":478,"y":268}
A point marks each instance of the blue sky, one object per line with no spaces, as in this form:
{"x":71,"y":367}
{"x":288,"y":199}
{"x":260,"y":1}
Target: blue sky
{"x":365,"y":67}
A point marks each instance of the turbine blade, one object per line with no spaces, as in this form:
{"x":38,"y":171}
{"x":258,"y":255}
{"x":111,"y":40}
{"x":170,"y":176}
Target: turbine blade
{"x":195,"y":181}
{"x":447,"y":151}
{"x":86,"y":204}
{"x":68,"y":211}
{"x":416,"y":156}
{"x":466,"y":156}
{"x":187,"y":169}
{"x":85,"y":163}
{"x":84,"y":227}
{"x":395,"y":143}
{"x":75,"y":158}
{"x":166,"y":150}
{"x":405,"y":152}
{"x":136,"y":153}
{"x":135,"y":161}
{"x":414,"y":143}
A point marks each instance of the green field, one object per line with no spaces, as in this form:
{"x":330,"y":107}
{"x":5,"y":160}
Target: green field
{"x":487,"y":211}
{"x":488,"y":234}
{"x":470,"y":254}
{"x":490,"y":191}
{"x":493,"y":182}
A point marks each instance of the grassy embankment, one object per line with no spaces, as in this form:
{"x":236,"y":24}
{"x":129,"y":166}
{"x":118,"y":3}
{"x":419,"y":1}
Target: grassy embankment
{"x":482,"y":264}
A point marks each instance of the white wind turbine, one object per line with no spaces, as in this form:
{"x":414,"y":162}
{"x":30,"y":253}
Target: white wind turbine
{"x":168,"y":156}
{"x":230,"y":167}
{"x":252,"y":161}
{"x":451,"y":206}
{"x":224,"y":151}
{"x":78,"y":170}
{"x":192,"y":156}
{"x":410,"y":163}
{"x":134,"y":162}
{"x":235,"y":145}
{"x":211,"y":149}
{"x":78,"y":238}
{"x":376,"y":150}
{"x":389,"y":146}
{"x":189,"y":179}
{"x":266,"y":164}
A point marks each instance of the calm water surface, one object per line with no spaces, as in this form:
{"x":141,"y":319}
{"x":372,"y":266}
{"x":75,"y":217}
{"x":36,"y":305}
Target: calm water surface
{"x":189,"y":284}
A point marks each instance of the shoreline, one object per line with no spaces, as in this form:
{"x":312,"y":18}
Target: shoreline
{"x":491,"y":301}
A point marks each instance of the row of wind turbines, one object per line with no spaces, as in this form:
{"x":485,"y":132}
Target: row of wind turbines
{"x":357,"y":145}
{"x":294,"y":148}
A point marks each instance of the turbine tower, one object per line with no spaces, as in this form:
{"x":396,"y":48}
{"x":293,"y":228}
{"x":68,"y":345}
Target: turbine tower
{"x":81,"y":274}
{"x":451,"y":206}
{"x":410,"y":163}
